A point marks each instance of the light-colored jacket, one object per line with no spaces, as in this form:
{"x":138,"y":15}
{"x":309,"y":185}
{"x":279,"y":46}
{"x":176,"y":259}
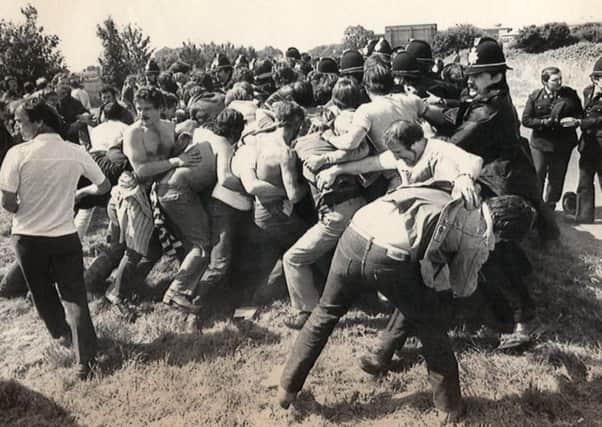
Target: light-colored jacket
{"x":459,"y":246}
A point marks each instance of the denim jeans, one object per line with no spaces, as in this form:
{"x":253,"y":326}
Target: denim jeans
{"x":188,"y":219}
{"x":282,"y":231}
{"x":45,"y":260}
{"x":360,"y":265}
{"x":224,"y":220}
{"x":315,"y":243}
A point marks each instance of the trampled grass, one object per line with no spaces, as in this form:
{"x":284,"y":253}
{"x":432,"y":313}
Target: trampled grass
{"x":164,"y":371}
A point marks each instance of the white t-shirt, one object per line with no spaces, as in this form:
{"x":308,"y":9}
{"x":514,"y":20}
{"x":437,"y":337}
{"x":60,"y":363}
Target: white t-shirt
{"x":107,"y":135}
{"x":376,"y":116}
{"x":44,"y":173}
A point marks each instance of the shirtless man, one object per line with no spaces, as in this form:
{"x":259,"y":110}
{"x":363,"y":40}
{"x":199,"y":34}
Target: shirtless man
{"x":271,"y":160}
{"x":150,"y":146}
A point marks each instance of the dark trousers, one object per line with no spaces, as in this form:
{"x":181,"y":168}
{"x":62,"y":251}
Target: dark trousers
{"x":45,"y":260}
{"x":552,"y":164}
{"x":358,"y":265}
{"x":590,"y":164}
{"x":134,"y":268}
{"x":503,"y":289}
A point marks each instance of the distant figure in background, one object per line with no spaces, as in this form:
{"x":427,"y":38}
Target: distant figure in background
{"x":79,"y":93}
{"x":552,"y":113}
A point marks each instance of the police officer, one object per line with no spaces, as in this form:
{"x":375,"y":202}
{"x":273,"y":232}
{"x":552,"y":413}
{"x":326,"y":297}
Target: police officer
{"x":488,"y":126}
{"x":552,"y":112}
{"x":352,"y":65}
{"x":428,"y":82}
{"x":590,"y":147}
{"x":222,"y":71}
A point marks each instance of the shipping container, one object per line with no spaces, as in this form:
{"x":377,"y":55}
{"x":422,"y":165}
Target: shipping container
{"x":400,"y":35}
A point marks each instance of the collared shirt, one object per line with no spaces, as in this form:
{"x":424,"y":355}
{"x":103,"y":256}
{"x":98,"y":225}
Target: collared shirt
{"x":44,"y":173}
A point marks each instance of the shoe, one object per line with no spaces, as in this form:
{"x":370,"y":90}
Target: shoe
{"x":121,"y":307}
{"x":83,"y":371}
{"x":297,"y":320}
{"x":372,"y":364}
{"x":519,"y":337}
{"x":455,"y":415}
{"x":285,"y":398}
{"x":181,"y":302}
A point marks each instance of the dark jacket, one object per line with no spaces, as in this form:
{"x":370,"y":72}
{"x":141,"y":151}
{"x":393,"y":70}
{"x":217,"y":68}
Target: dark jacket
{"x":488,"y":126}
{"x":543,"y":112}
{"x":591,"y":125}
{"x":69,"y":108}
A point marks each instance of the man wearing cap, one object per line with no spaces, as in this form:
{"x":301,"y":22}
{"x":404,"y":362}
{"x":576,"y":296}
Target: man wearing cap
{"x":222,"y":69}
{"x":552,"y":113}
{"x":264,"y":83}
{"x":292,"y":56}
{"x":590,"y":146}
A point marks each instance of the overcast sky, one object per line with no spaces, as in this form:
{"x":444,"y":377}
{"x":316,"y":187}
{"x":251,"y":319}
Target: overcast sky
{"x":280,"y":23}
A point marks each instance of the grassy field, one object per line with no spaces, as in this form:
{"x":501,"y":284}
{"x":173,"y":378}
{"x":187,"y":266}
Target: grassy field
{"x":164,"y":371}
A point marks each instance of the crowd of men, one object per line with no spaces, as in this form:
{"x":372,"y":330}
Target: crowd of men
{"x":412,"y":173}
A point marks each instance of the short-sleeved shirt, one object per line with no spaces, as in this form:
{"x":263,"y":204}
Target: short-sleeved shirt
{"x":44,"y":173}
{"x":375,"y":117}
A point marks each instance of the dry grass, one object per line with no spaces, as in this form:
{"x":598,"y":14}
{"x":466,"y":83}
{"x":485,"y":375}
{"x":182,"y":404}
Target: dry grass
{"x":164,"y":371}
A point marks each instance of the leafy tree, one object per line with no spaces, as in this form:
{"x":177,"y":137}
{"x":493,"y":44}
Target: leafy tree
{"x":26,"y":51}
{"x":269,"y":52}
{"x":332,"y":50}
{"x":124,"y":52}
{"x":459,"y":37}
{"x":552,"y":35}
{"x":136,"y":47}
{"x":356,"y":37}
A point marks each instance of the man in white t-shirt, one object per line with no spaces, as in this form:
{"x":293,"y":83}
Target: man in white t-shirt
{"x":38,"y":181}
{"x":372,"y":119}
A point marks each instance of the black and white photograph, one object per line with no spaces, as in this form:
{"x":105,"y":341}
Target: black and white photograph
{"x":300,"y":213}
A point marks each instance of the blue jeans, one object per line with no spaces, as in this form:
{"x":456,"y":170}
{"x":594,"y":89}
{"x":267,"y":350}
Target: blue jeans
{"x":188,"y":220}
{"x":224,"y":221}
{"x":314,"y":244}
{"x":359,"y":265}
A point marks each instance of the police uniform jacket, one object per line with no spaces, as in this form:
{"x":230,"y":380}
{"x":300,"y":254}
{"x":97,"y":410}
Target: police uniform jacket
{"x":543,"y":112}
{"x":591,"y":124}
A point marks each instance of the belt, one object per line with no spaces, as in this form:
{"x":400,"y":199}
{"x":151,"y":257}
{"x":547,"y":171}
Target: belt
{"x":390,"y":251}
